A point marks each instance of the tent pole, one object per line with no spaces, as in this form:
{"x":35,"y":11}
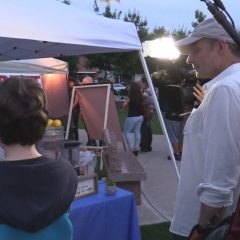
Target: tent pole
{"x":105,"y":120}
{"x":157,"y":107}
{"x":106,"y":108}
{"x":70,"y":113}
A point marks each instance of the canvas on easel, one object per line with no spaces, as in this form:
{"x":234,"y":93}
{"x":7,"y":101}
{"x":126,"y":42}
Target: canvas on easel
{"x":99,"y":110}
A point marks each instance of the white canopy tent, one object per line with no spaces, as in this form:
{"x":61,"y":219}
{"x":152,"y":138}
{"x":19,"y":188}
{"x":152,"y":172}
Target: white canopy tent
{"x":36,"y":29}
{"x":50,"y":72}
{"x":34,"y":66}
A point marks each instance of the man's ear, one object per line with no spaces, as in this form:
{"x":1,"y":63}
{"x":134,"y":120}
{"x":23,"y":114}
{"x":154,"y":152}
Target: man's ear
{"x":222,"y":44}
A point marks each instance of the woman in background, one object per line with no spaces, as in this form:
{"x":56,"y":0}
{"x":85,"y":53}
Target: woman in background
{"x":134,"y":118}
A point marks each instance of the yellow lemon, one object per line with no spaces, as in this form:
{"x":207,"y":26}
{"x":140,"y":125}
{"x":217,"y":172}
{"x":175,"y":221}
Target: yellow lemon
{"x":57,"y":123}
{"x":50,"y":122}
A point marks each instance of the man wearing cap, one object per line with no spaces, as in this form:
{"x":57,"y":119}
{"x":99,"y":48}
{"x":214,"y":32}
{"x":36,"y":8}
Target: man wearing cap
{"x":209,"y":183}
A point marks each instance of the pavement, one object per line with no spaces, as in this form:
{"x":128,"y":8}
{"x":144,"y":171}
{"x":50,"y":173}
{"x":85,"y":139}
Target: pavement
{"x":159,"y":189}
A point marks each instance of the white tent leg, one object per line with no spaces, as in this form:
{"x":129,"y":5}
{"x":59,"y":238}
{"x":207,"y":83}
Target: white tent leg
{"x":70,"y":113}
{"x":105,"y":121}
{"x":157,"y":107}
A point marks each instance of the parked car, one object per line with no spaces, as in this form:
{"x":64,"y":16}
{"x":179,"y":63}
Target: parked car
{"x":119,"y":89}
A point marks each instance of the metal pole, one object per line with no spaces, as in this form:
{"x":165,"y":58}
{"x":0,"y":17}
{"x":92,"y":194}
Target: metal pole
{"x":70,"y":113}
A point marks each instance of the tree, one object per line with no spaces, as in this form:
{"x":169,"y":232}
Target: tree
{"x":68,"y":2}
{"x":199,"y":16}
{"x":180,"y":33}
{"x":141,"y":25}
{"x":107,"y":13}
{"x":157,"y":32}
{"x":127,"y":63}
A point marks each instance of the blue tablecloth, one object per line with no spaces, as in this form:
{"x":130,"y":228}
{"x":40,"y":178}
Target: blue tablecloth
{"x":104,"y":217}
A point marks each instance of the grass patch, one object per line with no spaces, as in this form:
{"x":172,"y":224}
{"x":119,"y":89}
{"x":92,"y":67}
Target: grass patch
{"x":122,"y":114}
{"x":155,"y":231}
{"x":156,"y":128}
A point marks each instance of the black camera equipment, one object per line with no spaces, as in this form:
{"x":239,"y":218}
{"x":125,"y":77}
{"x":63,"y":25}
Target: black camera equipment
{"x":218,"y":14}
{"x":175,"y":90}
{"x":189,"y":79}
{"x":171,"y":101}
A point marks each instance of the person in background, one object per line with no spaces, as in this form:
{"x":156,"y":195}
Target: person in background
{"x":146,"y":129}
{"x":35,"y":191}
{"x":87,"y":80}
{"x":209,"y":185}
{"x":134,"y":119}
{"x":173,"y":110}
{"x":174,"y":126}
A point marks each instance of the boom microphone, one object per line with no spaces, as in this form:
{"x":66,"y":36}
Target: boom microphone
{"x":220,"y":4}
{"x":221,"y":18}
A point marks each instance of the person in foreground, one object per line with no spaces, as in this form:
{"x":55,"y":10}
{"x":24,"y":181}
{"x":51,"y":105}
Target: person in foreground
{"x":209,"y":183}
{"x":35,"y":191}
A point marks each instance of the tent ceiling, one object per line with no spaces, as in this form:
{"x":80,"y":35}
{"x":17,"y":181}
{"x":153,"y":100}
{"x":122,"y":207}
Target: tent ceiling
{"x":36,"y":29}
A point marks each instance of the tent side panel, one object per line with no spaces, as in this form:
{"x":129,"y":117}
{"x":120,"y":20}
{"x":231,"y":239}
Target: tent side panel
{"x":56,"y":88}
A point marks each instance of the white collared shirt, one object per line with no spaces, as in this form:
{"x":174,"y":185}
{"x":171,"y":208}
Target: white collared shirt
{"x":210,"y":167}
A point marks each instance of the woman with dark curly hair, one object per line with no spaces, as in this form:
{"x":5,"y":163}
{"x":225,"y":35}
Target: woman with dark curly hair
{"x":35,"y":191}
{"x":134,"y":119}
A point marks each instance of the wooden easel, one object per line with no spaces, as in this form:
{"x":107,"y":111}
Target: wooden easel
{"x":99,"y":109}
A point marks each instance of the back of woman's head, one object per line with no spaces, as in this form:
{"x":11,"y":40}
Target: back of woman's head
{"x":23,"y":109}
{"x":135,"y":92}
{"x":135,"y":88}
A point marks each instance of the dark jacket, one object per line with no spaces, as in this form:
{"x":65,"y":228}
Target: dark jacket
{"x":35,"y":192}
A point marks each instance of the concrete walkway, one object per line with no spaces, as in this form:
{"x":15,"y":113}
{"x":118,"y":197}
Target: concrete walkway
{"x":159,"y":190}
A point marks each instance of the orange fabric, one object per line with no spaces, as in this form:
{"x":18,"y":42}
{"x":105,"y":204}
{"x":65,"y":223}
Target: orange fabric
{"x":92,"y":101}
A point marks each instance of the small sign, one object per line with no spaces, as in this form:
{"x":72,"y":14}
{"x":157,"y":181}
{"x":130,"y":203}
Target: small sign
{"x":87,"y":185}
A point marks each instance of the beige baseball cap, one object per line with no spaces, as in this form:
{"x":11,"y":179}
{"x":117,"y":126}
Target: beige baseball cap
{"x":209,"y":28}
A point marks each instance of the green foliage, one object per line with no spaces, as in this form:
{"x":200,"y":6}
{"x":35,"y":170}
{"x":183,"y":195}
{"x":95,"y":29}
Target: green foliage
{"x":72,"y":63}
{"x":156,"y":128}
{"x":160,"y":78}
{"x":107,"y":13}
{"x":199,"y":16}
{"x":141,"y":25}
{"x":111,"y":182}
{"x":157,"y":32}
{"x":180,"y":33}
{"x":155,"y":231}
